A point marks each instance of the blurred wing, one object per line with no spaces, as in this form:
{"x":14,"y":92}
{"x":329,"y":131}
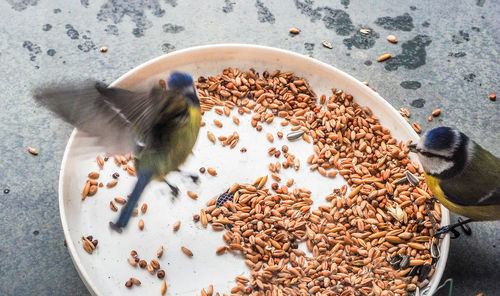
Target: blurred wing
{"x":117,"y":117}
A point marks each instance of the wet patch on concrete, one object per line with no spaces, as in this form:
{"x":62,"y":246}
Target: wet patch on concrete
{"x":362,"y":41}
{"x":410,"y":84}
{"x":338,"y":20}
{"x":418,"y":103}
{"x":20,"y":5}
{"x":459,"y":54}
{"x":228,"y":6}
{"x":111,"y":30}
{"x":71,"y":32}
{"x":470,"y":77}
{"x":264,"y":15}
{"x":309,"y":47}
{"x":413,"y":54}
{"x":47,"y":27}
{"x":51,"y":52}
{"x":114,"y":11}
{"x":167,"y":47}
{"x":461,"y":37}
{"x":402,"y":22}
{"x":87,"y":44}
{"x":171,"y":28}
{"x":33,"y":49}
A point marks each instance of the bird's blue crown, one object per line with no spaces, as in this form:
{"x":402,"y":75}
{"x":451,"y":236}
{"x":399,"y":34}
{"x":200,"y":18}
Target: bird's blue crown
{"x":179,"y":80}
{"x":440,"y":138}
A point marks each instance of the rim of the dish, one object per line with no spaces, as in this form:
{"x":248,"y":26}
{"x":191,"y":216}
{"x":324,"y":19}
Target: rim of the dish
{"x":445,"y":216}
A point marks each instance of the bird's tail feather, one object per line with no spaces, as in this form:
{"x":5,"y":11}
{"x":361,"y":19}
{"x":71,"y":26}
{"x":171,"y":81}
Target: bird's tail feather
{"x":143,"y":179}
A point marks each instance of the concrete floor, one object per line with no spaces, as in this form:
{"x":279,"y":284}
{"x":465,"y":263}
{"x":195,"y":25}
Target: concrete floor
{"x":447,"y":57}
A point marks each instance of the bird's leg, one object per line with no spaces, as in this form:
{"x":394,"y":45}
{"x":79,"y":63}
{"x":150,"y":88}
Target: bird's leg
{"x":173,"y":188}
{"x":452,"y":228}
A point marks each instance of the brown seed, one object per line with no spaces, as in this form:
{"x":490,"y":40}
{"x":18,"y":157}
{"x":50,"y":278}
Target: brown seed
{"x":94,"y":175}
{"x":430,"y":118}
{"x":141,"y":224}
{"x":217,"y":123}
{"x":155,"y":264}
{"x":204,"y":218}
{"x":100,"y":162}
{"x":383,"y":57}
{"x":120,"y":200}
{"x":187,"y":251}
{"x":221,"y":250}
{"x":270,"y":137}
{"x":294,"y":31}
{"x":144,"y":208}
{"x":436,"y":112}
{"x":196,"y":217}
{"x":143,"y":263}
{"x":132,"y":262}
{"x":211,"y":137}
{"x":103,"y":49}
{"x":111,"y":184}
{"x":160,"y":274}
{"x":112,"y":206}
{"x":159,"y":253}
{"x":416,"y":127}
{"x":236,"y":120}
{"x":163,"y":287}
{"x":177,"y":225}
{"x":493,"y":97}
{"x":32,"y":151}
{"x":86,"y":190}
{"x":128,"y":284}
{"x":135,"y":281}
{"x":392,"y":39}
{"x":243,"y":150}
{"x":92,"y":189}
{"x":211,"y":171}
{"x":192,"y":194}
{"x":202,"y":170}
{"x":87,"y":246}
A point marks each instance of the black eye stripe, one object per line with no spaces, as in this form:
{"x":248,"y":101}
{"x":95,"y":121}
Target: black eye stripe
{"x":429,"y":154}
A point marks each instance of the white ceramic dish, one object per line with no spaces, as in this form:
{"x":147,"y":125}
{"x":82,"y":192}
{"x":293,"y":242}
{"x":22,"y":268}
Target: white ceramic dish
{"x":106,"y":270}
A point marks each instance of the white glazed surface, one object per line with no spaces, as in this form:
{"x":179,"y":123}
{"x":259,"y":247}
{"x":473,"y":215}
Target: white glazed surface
{"x":106,"y":270}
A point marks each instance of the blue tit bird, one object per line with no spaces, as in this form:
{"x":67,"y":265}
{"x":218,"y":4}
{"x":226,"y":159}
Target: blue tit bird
{"x":159,"y":124}
{"x":462,"y":175}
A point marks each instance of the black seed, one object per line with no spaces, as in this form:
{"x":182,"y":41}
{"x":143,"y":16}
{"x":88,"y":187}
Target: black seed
{"x":115,"y":175}
{"x":424,"y":272}
{"x":95,"y":242}
{"x":6,"y":191}
{"x":90,"y":237}
{"x":414,"y":270}
{"x":405,"y":261}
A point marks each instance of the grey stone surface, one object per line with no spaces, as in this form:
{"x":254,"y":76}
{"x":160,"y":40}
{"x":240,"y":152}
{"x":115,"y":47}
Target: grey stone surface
{"x":447,"y":57}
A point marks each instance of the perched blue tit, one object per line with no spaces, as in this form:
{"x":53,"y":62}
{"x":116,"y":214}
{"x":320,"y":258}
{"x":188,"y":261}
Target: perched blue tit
{"x":462,"y":175}
{"x":159,"y":124}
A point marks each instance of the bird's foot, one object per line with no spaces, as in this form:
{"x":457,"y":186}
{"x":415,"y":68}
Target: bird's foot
{"x":453,"y":229}
{"x":195,"y":178}
{"x":173,"y":188}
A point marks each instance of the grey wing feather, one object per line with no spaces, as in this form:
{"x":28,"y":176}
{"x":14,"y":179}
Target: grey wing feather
{"x":118,"y":118}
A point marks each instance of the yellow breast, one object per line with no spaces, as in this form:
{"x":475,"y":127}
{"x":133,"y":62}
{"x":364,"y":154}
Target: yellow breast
{"x":478,"y":213}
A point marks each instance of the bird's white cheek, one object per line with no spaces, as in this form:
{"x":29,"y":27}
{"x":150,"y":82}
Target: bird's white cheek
{"x":434,"y":165}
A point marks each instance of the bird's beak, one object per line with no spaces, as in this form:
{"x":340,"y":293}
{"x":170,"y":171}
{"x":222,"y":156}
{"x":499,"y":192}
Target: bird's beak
{"x":413,"y":148}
